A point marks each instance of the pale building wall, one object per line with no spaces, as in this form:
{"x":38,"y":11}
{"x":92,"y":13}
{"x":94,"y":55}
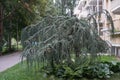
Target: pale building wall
{"x":109,"y":6}
{"x":116,"y":19}
{"x":114,"y":4}
{"x":115,"y":40}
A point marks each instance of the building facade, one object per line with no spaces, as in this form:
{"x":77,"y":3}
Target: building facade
{"x":86,"y":7}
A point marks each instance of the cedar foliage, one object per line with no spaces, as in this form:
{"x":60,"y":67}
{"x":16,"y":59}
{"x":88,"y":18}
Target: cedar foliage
{"x":61,"y":40}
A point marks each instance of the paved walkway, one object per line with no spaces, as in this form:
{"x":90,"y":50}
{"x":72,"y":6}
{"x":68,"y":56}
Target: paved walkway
{"x":8,"y":61}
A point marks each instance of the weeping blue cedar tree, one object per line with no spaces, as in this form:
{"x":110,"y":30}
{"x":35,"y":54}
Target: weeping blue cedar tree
{"x":61,"y":40}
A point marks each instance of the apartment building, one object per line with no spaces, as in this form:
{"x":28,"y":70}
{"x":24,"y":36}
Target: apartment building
{"x":86,"y":7}
{"x":114,"y":8}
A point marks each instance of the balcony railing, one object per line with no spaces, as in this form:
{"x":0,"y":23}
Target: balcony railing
{"x":115,"y":6}
{"x":92,"y":3}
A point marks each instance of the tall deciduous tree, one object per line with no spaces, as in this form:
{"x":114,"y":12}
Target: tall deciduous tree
{"x":65,"y":7}
{"x":18,"y":14}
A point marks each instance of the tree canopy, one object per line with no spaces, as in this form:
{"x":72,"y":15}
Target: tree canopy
{"x":17,"y":14}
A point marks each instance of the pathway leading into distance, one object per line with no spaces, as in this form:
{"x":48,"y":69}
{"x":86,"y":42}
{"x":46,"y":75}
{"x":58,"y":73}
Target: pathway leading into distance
{"x":10,"y":60}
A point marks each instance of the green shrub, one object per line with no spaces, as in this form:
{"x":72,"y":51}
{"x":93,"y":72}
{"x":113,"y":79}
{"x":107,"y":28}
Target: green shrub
{"x":114,"y":66}
{"x":98,"y":70}
{"x":64,"y":71}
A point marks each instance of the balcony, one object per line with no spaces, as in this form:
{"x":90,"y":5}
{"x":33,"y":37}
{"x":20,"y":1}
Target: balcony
{"x":115,"y":6}
{"x":91,"y":3}
{"x":94,"y":2}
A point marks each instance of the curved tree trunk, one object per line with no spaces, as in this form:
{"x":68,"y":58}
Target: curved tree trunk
{"x":9,"y":36}
{"x":1,"y":27}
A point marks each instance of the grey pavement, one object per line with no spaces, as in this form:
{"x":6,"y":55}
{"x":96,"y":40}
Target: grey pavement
{"x":10,"y":60}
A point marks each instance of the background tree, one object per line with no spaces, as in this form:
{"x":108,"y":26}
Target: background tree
{"x":18,"y":14}
{"x":1,"y":27}
{"x":65,"y":7}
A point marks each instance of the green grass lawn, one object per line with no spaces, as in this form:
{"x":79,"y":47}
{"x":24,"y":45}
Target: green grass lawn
{"x":108,"y":58}
{"x":20,"y":72}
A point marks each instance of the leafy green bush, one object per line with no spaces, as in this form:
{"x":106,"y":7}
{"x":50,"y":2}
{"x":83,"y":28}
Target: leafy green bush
{"x":101,"y":70}
{"x":114,"y":66}
{"x":7,"y":51}
{"x":63,"y":71}
{"x":98,"y":70}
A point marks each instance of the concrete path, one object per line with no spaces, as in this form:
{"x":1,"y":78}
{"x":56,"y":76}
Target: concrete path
{"x":8,"y":61}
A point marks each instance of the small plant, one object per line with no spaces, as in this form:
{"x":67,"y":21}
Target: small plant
{"x":98,"y":70}
{"x":64,"y":72}
{"x":114,"y":66}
